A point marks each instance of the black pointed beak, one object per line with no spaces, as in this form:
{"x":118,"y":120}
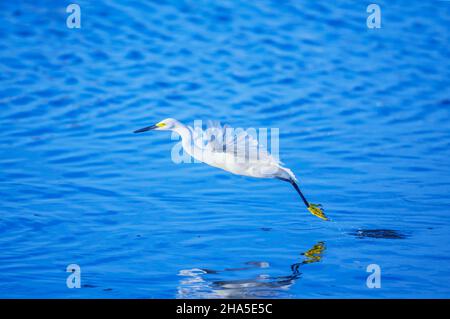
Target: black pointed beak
{"x":145,"y":129}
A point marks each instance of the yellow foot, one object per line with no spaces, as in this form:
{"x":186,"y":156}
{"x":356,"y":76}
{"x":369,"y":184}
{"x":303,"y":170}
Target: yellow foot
{"x":315,"y":253}
{"x":317,"y":210}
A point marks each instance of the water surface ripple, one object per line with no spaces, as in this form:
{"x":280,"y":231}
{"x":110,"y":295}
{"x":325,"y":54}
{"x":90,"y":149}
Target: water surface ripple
{"x":364,"y":122}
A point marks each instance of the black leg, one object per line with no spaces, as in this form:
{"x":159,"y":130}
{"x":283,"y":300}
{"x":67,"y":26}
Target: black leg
{"x":314,"y":209}
{"x":299,"y":192}
{"x":293,"y":183}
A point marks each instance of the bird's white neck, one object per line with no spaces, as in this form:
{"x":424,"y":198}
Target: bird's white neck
{"x":184,"y":132}
{"x":187,"y":140}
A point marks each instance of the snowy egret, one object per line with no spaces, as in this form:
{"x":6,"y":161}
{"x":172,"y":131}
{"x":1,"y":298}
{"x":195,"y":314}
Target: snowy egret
{"x":238,"y":153}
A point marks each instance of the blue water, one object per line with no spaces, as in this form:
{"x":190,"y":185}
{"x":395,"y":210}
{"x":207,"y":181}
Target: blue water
{"x":364,"y":123}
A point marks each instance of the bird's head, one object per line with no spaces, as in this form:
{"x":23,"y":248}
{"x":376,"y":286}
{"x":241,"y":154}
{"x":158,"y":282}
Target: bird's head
{"x":164,"y":125}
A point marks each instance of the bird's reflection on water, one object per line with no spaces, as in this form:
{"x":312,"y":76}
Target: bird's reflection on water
{"x":202,"y":283}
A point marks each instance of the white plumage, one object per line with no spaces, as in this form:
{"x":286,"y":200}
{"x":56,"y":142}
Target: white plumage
{"x":237,"y":152}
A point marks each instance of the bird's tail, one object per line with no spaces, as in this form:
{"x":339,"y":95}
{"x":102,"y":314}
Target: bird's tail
{"x":290,"y":174}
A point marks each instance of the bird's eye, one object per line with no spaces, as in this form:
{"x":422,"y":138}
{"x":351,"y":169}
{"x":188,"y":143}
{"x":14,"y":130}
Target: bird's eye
{"x":161,"y":124}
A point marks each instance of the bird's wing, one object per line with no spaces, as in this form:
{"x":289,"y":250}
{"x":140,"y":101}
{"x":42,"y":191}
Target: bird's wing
{"x":241,"y":143}
{"x":215,"y":136}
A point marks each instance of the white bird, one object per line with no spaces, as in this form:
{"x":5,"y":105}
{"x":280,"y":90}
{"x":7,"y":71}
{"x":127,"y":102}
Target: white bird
{"x":238,"y":153}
